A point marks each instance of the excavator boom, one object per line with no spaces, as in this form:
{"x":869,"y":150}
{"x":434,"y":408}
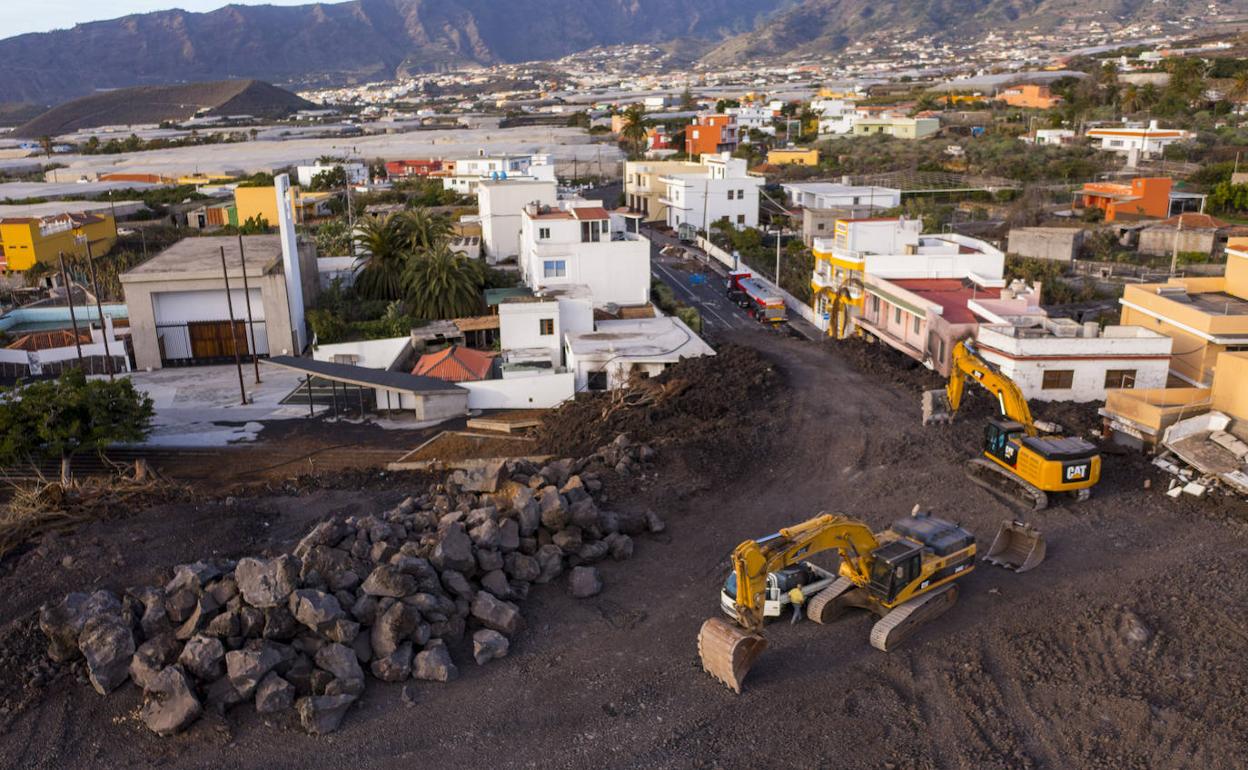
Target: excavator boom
{"x":967,"y":364}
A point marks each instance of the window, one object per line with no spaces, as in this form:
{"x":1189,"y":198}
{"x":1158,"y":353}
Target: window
{"x":897,"y":316}
{"x":819,"y":226}
{"x":1058,"y":379}
{"x":546,"y":326}
{"x":543,"y":233}
{"x":740,"y":195}
{"x":592,"y":231}
{"x":875,"y":306}
{"x":596,"y":381}
{"x":555,"y":268}
{"x":730,"y":194}
{"x":916,"y":324}
{"x":1120,"y":378}
{"x":740,"y":219}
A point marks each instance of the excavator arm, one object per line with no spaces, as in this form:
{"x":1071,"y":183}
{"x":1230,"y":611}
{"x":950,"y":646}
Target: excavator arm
{"x":968,"y":365}
{"x":754,"y":559}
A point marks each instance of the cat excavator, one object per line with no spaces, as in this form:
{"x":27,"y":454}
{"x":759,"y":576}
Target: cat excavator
{"x":905,"y":575}
{"x":1017,"y":460}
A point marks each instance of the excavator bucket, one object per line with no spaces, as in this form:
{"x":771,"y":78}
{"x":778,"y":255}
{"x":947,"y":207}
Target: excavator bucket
{"x":728,"y":651}
{"x":936,"y":407}
{"x":1018,"y":546}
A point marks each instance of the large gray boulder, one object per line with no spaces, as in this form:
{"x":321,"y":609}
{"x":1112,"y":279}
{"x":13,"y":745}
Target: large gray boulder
{"x":393,"y":626}
{"x":267,"y":583}
{"x":274,"y":694}
{"x":247,"y":668}
{"x":495,"y":613}
{"x":193,"y":577}
{"x":396,"y":666}
{"x":203,"y":657}
{"x":62,"y":623}
{"x":321,"y":714}
{"x":171,"y":704}
{"x":585,"y":582}
{"x":108,"y":645}
{"x":434,"y":664}
{"x":152,"y":657}
{"x":488,"y":645}
{"x":454,"y":549}
{"x":388,"y":580}
{"x":342,"y":662}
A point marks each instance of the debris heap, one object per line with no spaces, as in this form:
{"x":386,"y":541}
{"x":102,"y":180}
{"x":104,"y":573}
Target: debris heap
{"x":382,"y":594}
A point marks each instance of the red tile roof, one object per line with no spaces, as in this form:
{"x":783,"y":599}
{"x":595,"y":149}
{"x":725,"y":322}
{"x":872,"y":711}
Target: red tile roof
{"x":591,"y":212}
{"x":950,"y":293}
{"x":455,"y":364}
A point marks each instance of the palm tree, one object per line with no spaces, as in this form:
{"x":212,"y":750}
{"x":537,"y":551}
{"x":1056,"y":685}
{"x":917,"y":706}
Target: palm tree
{"x":1129,"y":99}
{"x":443,"y":284}
{"x":383,"y":248}
{"x":1238,"y":90}
{"x":424,"y":231}
{"x":634,"y":128}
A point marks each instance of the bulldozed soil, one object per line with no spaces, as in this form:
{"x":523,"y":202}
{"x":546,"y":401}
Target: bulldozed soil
{"x":1123,"y":650}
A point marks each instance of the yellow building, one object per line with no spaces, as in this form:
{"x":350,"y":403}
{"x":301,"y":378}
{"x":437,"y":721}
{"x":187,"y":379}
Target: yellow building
{"x":261,"y":202}
{"x":1205,"y":316}
{"x":25,"y":241}
{"x":793,"y":156}
{"x":201,"y":180}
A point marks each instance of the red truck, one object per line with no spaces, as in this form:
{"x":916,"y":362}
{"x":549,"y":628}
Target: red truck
{"x":754,"y":297}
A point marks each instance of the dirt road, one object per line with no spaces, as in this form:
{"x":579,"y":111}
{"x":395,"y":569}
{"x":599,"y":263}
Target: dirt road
{"x":1123,"y":650}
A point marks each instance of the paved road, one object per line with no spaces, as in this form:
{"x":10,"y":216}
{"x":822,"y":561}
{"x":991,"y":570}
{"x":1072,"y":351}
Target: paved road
{"x":718,"y":312}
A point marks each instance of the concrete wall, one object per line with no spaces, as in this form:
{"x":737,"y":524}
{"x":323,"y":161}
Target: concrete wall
{"x":1059,"y":244}
{"x":1160,"y":241}
{"x":372,"y":354}
{"x":542,"y":391}
{"x":1230,"y":385}
{"x":432,"y":407}
{"x":520,"y":326}
{"x":502,"y":204}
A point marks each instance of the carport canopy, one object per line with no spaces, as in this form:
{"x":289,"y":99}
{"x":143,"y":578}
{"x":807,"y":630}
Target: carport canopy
{"x":364,"y":377}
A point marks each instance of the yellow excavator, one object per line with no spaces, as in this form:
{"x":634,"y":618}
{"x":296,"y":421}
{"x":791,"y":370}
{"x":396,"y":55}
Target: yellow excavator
{"x":905,"y":575}
{"x":1017,"y":459}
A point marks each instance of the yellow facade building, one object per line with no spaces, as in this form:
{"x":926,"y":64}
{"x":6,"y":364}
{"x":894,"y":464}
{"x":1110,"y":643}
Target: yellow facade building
{"x":793,"y":156}
{"x":25,"y":241}
{"x":261,"y":203}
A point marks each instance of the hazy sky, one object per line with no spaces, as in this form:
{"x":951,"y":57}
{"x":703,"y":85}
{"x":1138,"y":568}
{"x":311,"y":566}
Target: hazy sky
{"x":20,"y":16}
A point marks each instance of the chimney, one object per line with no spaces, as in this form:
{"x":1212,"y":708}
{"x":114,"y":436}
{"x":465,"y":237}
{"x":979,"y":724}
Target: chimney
{"x":290,"y":263}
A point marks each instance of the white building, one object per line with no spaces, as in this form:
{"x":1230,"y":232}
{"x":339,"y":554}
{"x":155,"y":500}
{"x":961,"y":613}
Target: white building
{"x":1061,"y":360}
{"x":579,"y":242}
{"x":753,"y":118}
{"x":1051,"y":136}
{"x":502,"y":205}
{"x":357,"y":173}
{"x":830,"y":195}
{"x":1143,"y":141}
{"x":722,"y":190}
{"x":470,"y":172}
{"x":605,"y":358}
{"x":532,"y":329}
{"x":836,"y":116}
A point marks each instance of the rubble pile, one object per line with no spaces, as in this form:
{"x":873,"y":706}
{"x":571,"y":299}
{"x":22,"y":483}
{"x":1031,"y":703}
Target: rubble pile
{"x":387,"y":595}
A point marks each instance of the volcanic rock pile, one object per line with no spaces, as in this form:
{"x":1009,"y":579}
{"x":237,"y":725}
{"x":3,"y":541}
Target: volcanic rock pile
{"x":380,"y":594}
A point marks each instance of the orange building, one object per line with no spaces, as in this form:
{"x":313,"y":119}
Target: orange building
{"x":711,"y":134}
{"x":1030,"y":95}
{"x":1143,"y":197}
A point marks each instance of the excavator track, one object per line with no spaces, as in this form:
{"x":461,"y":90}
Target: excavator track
{"x":728,"y":651}
{"x":998,"y":480}
{"x":904,"y":620}
{"x":831,"y":603}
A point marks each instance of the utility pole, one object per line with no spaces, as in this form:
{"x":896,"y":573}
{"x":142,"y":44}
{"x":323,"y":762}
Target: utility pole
{"x":69,"y":299}
{"x":778,"y":256}
{"x":229,"y":304}
{"x":1174,"y":256}
{"x":251,"y":326}
{"x":95,"y":287}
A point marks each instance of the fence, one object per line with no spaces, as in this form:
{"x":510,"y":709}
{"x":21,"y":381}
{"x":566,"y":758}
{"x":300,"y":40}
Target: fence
{"x":793,"y":304}
{"x":52,"y":362}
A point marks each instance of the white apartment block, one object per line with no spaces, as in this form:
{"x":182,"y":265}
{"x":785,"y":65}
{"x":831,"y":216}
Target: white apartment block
{"x":470,"y":172}
{"x":356,"y":173}
{"x":1143,"y":141}
{"x":502,"y":205}
{"x":578,"y":242}
{"x":532,"y":329}
{"x":1061,"y":360}
{"x":753,"y":118}
{"x":831,"y":195}
{"x":720,"y":190}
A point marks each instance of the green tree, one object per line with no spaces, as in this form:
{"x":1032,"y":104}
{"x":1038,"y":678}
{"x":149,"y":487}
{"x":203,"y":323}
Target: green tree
{"x":383,"y":246}
{"x":633,"y":132}
{"x":444,"y":284}
{"x":333,"y":238}
{"x":687,"y":102}
{"x":46,"y":143}
{"x":334,"y":178}
{"x":424,"y":231}
{"x":60,"y":418}
{"x":254,"y":225}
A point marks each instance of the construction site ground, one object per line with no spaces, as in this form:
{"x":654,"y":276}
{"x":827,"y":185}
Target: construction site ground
{"x":1123,"y":650}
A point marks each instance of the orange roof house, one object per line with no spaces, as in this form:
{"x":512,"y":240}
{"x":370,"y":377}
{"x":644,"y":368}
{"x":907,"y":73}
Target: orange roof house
{"x":1143,"y":197}
{"x":1030,"y":95}
{"x":455,"y":364}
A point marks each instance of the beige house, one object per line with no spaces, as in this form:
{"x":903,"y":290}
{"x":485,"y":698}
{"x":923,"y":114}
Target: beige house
{"x":643,"y":190}
{"x":179,"y":311}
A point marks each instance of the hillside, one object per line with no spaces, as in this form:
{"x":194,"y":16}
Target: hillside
{"x":154,"y":104}
{"x":825,"y":26}
{"x":343,"y":42}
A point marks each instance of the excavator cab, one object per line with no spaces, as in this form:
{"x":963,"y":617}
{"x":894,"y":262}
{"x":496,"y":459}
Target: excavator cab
{"x":997,"y":440}
{"x":894,"y":566}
